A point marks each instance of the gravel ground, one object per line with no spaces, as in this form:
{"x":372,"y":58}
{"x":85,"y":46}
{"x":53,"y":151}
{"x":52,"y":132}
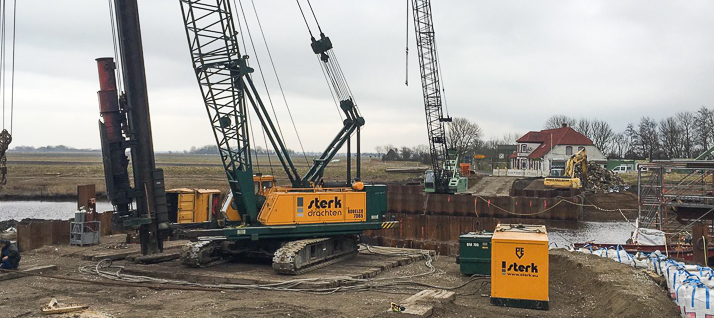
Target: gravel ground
{"x":580,"y":286}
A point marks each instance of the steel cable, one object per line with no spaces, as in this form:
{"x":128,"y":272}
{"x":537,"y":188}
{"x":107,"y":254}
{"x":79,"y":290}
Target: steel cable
{"x":12,"y":72}
{"x":280,"y":85}
{"x":107,"y":270}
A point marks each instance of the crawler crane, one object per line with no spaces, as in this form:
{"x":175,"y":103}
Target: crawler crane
{"x":302,"y":227}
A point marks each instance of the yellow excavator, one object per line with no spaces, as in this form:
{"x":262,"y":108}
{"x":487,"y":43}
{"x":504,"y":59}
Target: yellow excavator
{"x":568,"y":180}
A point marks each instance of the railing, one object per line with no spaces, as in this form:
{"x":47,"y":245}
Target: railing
{"x":518,"y":173}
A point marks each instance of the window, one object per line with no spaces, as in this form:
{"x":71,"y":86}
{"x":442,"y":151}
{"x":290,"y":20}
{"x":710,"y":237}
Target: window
{"x":568,"y":150}
{"x":524,"y":148}
{"x":581,"y":148}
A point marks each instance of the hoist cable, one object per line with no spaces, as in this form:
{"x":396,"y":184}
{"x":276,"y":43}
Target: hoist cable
{"x":246,"y":109}
{"x":2,"y":61}
{"x":327,"y":80}
{"x":304,"y":19}
{"x":267,"y":150}
{"x":280,"y":85}
{"x":315,"y":17}
{"x":344,"y":80}
{"x":406,"y":81}
{"x":12,"y":72}
{"x":260,"y":68}
{"x":118,"y":72}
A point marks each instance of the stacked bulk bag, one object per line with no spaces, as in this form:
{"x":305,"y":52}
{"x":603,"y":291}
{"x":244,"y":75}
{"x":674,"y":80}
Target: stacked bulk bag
{"x":690,"y":286}
{"x":694,"y":299}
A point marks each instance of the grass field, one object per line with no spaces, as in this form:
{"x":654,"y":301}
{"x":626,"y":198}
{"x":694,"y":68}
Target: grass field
{"x":57,"y":175}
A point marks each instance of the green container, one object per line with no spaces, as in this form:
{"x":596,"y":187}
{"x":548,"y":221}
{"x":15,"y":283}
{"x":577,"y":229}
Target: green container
{"x":475,"y":253}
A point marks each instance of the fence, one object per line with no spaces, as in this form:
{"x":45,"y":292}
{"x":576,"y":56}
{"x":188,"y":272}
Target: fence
{"x":518,"y":173}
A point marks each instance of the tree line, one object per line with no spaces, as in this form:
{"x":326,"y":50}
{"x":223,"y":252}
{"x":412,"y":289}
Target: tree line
{"x":463,"y":136}
{"x":683,"y":135}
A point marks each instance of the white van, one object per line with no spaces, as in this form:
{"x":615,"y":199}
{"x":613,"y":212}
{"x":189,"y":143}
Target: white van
{"x":622,"y":169}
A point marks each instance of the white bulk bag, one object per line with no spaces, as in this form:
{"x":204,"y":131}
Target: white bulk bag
{"x":676,"y":278}
{"x":694,"y":299}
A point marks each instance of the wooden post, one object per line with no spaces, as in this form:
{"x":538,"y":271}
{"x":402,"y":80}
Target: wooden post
{"x":701,"y":243}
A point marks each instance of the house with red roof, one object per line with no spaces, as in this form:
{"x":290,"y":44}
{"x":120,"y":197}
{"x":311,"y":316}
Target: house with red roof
{"x":540,"y":151}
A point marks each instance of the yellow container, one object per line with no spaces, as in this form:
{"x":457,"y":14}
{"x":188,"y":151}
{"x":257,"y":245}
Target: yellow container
{"x":519,"y":266}
{"x":193,"y":205}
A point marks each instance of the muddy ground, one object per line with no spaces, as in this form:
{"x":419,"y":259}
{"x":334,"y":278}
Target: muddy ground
{"x":580,"y":286}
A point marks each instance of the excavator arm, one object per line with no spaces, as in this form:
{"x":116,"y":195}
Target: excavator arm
{"x":569,"y":180}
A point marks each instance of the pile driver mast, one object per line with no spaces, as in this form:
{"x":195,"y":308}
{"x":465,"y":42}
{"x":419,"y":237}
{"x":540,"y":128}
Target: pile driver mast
{"x":127,"y":125}
{"x":443,"y":177}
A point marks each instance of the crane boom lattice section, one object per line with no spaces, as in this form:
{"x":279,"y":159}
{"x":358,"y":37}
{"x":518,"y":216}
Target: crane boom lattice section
{"x":217,"y":60}
{"x":428,"y":62}
{"x":224,"y":78}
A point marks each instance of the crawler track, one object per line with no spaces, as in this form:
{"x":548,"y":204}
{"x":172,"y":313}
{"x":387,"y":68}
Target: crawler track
{"x":298,"y":257}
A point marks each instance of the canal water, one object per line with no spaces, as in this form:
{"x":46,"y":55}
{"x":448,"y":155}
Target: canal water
{"x":560,"y":233}
{"x":48,"y":210}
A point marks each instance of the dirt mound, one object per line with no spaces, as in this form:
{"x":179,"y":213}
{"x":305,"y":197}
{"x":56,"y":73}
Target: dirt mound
{"x":492,"y":186}
{"x":611,"y":289}
{"x":4,"y":225}
{"x":580,"y":286}
{"x":536,"y":185}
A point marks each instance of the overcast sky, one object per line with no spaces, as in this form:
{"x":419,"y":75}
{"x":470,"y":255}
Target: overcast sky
{"x":507,"y":65}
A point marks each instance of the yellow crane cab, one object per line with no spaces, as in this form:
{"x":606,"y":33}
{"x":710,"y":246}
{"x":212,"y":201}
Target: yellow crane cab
{"x":262,"y":185}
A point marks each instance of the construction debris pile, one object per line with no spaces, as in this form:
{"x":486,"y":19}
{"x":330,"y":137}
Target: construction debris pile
{"x":602,"y":180}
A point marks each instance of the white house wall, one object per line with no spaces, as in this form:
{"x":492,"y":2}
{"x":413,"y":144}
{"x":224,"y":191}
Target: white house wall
{"x":558,"y":154}
{"x":529,"y":148}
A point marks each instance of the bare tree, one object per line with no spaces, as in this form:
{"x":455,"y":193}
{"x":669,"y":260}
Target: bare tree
{"x":463,"y":136}
{"x":685,"y":121}
{"x":422,"y":154}
{"x":406,"y":153}
{"x":601,"y":134}
{"x":648,"y":137}
{"x":556,"y":121}
{"x":618,"y":146}
{"x":632,"y":137}
{"x":585,"y":127}
{"x":380,"y":150}
{"x":704,"y":127}
{"x":506,"y":139}
{"x":670,"y":138}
